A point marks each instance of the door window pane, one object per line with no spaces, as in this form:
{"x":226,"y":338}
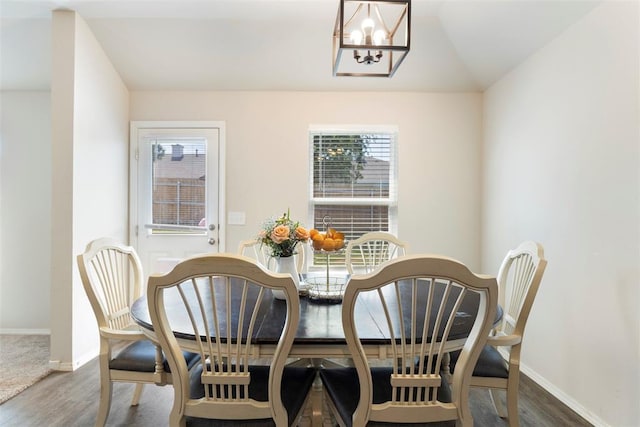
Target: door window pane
{"x":178,"y":185}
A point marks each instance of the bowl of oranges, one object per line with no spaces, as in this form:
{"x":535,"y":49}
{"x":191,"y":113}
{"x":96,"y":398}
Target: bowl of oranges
{"x":328,"y":241}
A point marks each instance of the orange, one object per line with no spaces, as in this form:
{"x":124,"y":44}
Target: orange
{"x":313,"y":232}
{"x":339,"y":243}
{"x":338,"y":235}
{"x":317,"y":241}
{"x":328,"y":244}
{"x":331,"y":232}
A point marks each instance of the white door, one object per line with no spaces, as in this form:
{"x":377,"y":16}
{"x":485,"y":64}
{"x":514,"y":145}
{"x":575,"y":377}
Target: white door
{"x":176,"y":197}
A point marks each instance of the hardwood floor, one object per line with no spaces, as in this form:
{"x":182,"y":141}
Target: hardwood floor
{"x":71,"y":399}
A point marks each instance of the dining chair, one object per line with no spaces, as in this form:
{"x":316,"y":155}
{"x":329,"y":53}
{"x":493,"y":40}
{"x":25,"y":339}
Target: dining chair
{"x":225,"y":296}
{"x":111,"y":275}
{"x":371,"y":249}
{"x":498,"y":366}
{"x":253,"y":248}
{"x":406,"y":386}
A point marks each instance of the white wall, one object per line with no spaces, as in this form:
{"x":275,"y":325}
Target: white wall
{"x":561,"y":166}
{"x":90,"y":176}
{"x":25,"y":212}
{"x":267,"y":150}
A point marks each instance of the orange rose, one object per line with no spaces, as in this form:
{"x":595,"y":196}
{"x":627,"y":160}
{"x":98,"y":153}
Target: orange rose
{"x":280,"y":234}
{"x":302,"y":234}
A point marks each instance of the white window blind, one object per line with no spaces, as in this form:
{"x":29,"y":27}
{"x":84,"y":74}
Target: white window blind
{"x":354,"y":181}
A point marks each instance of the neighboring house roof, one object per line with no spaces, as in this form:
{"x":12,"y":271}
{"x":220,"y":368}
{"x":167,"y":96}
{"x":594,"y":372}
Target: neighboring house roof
{"x":373,"y":183}
{"x":190,"y":166}
{"x":375,"y":173}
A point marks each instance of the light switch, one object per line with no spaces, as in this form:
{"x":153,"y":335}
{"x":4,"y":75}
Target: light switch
{"x":236,"y":218}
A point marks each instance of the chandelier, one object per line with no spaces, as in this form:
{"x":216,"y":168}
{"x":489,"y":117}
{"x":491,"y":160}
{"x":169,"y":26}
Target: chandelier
{"x":373,"y":35}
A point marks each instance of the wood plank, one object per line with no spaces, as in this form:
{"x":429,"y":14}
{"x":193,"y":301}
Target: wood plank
{"x":71,"y":399}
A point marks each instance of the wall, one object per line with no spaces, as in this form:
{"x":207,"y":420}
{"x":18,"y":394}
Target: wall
{"x":267,"y":155}
{"x":90,"y":177}
{"x":561,"y":166}
{"x":25,"y":212}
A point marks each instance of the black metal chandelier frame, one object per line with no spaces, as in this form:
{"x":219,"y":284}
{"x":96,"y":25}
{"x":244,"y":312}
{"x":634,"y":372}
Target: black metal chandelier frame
{"x":367,"y":54}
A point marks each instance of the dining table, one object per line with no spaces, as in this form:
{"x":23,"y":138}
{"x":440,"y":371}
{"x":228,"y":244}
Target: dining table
{"x":319,"y":334}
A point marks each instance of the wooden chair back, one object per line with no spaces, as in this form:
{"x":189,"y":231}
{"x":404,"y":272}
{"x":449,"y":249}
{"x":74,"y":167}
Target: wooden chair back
{"x":370,"y":250}
{"x":415,"y":378}
{"x":519,"y":278}
{"x":111,"y":274}
{"x":223,"y":296}
{"x":254,"y":249}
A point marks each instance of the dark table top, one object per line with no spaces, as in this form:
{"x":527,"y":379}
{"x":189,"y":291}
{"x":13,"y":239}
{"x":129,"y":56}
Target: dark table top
{"x":320,"y":322}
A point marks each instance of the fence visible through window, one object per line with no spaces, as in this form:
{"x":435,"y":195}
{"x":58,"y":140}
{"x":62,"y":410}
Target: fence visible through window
{"x":179,"y":186}
{"x":178,"y":203}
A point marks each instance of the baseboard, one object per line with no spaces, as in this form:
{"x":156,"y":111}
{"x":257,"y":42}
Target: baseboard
{"x":87,"y":357}
{"x":57,"y":365}
{"x":25,"y":331}
{"x":563,"y":397}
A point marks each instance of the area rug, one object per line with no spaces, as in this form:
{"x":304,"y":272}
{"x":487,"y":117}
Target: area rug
{"x":24,"y":360}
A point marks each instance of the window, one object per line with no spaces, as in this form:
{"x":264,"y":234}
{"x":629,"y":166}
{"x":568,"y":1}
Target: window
{"x":178,"y":184}
{"x":354,"y":180}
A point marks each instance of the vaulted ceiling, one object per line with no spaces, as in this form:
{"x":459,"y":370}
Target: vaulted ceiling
{"x":456,"y":45}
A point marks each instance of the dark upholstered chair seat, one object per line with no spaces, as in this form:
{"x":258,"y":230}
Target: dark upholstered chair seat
{"x":490,"y":363}
{"x":141,"y":356}
{"x":342,"y":385}
{"x":296,"y":383}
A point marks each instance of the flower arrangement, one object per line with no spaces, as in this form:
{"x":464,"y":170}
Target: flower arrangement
{"x":282,"y":235}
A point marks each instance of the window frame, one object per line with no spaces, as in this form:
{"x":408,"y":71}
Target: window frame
{"x":391,"y":201}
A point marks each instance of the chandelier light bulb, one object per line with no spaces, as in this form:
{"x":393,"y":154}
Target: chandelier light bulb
{"x":367,"y":25}
{"x":378,"y":37}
